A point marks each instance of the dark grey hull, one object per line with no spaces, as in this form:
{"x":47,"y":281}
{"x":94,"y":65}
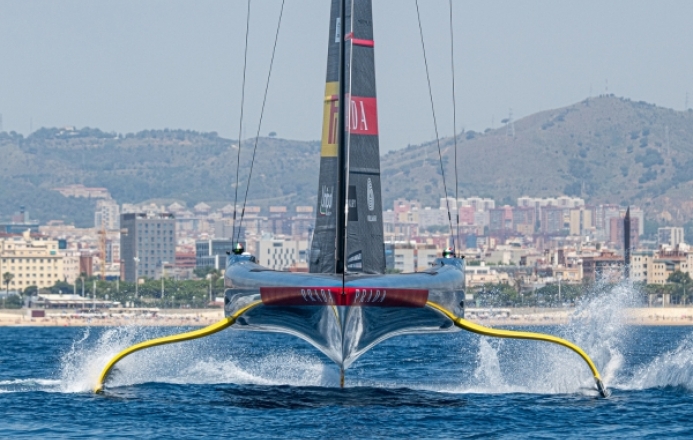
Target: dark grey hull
{"x":344,"y":319}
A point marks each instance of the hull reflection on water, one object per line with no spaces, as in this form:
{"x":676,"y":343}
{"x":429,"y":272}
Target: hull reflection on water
{"x":344,"y":320}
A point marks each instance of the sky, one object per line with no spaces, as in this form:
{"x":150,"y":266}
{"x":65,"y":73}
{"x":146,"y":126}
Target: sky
{"x":130,"y":65}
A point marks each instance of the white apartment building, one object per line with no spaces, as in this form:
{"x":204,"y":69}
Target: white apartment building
{"x":70,"y":264}
{"x":280,"y":254}
{"x":641,"y":267}
{"x":478,"y":203}
{"x":414,"y":257}
{"x":33,"y":262}
{"x":107,"y":215}
{"x":561,"y":202}
{"x":482,"y":274}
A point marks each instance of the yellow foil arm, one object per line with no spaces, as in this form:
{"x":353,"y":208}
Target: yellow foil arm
{"x":486,"y":331}
{"x":206,"y":331}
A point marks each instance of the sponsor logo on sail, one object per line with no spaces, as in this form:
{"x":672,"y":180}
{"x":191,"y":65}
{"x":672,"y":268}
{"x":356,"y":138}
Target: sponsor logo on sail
{"x":369,"y":195}
{"x":355,"y":261}
{"x":362,"y":115}
{"x":326,"y":200}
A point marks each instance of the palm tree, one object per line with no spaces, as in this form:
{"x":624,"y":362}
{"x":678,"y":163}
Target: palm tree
{"x":7,"y":278}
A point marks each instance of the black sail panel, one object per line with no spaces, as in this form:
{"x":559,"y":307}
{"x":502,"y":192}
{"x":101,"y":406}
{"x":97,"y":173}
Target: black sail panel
{"x":365,"y":248}
{"x":322,"y":255}
{"x":364,"y":242}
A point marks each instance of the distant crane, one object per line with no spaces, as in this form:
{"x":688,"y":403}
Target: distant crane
{"x":102,"y":249}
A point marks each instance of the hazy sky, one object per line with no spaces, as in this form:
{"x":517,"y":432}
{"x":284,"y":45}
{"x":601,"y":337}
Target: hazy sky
{"x":129,"y":65}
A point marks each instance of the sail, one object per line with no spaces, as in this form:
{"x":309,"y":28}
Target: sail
{"x":364,"y":242}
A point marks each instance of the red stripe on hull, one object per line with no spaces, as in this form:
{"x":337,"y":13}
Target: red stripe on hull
{"x":349,"y":296}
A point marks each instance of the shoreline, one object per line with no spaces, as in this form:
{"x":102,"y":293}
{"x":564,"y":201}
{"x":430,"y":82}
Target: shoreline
{"x":522,"y":317}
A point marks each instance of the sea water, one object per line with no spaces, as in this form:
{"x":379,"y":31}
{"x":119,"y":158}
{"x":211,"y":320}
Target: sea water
{"x":263,"y":385}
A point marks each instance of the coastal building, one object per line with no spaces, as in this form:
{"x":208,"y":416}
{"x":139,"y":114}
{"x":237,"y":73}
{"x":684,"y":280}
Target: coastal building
{"x":412,"y":257}
{"x":147,"y":244}
{"x":71,"y":259}
{"x":476,"y":276}
{"x":281,"y":254}
{"x":33,"y":261}
{"x":212,"y":253}
{"x":605,"y":264}
{"x":641,"y":267}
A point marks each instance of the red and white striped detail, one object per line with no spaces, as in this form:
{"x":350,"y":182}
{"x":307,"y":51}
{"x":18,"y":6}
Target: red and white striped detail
{"x":348,"y":296}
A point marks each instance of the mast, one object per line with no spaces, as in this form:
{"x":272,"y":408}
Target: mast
{"x":340,"y":244}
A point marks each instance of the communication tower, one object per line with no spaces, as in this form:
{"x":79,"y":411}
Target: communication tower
{"x":510,"y":126}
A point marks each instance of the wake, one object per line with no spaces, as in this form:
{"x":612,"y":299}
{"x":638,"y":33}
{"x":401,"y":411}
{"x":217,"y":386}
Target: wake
{"x":501,"y":366}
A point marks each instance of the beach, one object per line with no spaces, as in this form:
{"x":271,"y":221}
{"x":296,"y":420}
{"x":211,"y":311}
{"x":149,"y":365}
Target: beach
{"x":202,"y":317}
{"x":69,"y":318}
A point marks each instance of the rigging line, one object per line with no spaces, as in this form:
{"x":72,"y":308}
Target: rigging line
{"x":240,"y":121}
{"x":259,"y":125}
{"x":454,"y":124}
{"x":435,"y":122}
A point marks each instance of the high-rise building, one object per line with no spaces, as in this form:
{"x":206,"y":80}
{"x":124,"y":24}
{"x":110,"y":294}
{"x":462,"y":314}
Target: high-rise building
{"x":670,"y":236}
{"x":551,"y":220}
{"x":500,"y":220}
{"x":107,"y":215}
{"x":524,"y":220}
{"x":581,"y":220}
{"x":616,"y":229}
{"x":147,"y":244}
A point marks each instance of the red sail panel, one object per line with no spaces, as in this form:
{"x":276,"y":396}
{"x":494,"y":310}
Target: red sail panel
{"x":362,"y":117}
{"x":349,"y":296}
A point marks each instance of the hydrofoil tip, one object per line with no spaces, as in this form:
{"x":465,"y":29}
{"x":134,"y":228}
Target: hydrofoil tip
{"x":603,"y":391}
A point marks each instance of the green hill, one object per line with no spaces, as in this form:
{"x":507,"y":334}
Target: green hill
{"x":604,"y":149}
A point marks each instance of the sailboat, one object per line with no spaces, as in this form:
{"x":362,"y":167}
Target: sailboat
{"x":347,"y":304}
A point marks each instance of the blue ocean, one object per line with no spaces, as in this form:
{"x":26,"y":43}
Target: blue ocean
{"x":265,"y":385}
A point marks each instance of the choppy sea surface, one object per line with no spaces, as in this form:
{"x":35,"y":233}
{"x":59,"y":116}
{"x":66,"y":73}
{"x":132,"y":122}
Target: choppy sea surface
{"x":265,"y":385}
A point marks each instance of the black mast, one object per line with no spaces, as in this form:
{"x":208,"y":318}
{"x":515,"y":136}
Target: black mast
{"x":341,"y":147}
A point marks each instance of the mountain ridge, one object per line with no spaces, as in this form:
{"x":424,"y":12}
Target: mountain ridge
{"x":605,"y":149}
